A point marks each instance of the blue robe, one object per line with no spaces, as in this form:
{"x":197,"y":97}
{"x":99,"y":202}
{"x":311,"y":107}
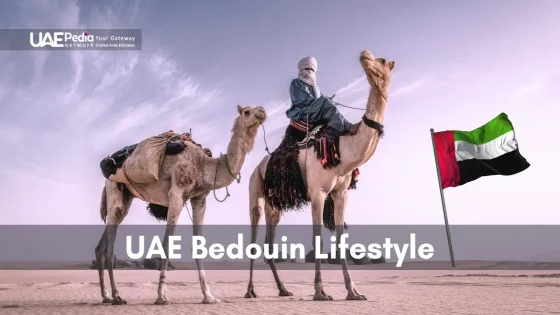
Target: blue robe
{"x":321,"y":111}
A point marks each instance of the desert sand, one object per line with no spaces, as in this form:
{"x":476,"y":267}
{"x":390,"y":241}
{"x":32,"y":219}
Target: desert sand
{"x":388,"y":292}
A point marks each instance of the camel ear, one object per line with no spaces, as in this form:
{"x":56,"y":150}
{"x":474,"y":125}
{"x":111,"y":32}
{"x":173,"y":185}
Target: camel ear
{"x":239,"y":109}
{"x":391,"y":65}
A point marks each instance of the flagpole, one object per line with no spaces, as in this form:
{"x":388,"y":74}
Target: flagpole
{"x":443,"y":201}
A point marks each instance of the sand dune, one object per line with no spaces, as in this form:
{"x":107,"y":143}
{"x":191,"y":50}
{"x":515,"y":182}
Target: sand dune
{"x":388,"y":292}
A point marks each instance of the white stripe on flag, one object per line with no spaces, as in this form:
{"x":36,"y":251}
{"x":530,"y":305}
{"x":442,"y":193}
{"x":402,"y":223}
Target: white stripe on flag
{"x":503,"y":144}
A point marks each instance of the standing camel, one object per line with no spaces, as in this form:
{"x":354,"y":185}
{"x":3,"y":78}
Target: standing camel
{"x":189,"y":175}
{"x":323,"y":185}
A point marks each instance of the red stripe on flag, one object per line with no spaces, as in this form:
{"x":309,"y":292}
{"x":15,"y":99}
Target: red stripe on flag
{"x":448,"y":166}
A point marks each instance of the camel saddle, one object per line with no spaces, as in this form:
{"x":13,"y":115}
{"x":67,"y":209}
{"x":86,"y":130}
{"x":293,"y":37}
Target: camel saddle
{"x":325,"y":141}
{"x":314,"y":135}
{"x":187,"y":137}
{"x":111,"y":165}
{"x":283,"y":183}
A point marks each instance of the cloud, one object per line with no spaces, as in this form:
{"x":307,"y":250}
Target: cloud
{"x":409,"y":88}
{"x":3,"y":93}
{"x":276,"y":112}
{"x":355,"y":93}
{"x":357,"y":85}
{"x":11,"y":134}
{"x":529,"y":89}
{"x":178,"y":85}
{"x":118,"y":74}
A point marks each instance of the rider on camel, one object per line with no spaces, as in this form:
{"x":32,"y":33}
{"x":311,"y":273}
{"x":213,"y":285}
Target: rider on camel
{"x":311,"y":108}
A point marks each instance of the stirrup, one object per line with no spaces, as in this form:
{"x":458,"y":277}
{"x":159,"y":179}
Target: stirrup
{"x":311,"y":136}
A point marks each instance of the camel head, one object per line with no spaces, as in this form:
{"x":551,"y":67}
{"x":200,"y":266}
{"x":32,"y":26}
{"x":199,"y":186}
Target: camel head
{"x":251,"y":118}
{"x":378,"y":70}
{"x":248,"y":122}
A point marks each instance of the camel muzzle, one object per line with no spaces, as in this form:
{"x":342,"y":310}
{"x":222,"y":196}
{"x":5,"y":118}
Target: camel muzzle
{"x":366,"y":55}
{"x":261,"y":116}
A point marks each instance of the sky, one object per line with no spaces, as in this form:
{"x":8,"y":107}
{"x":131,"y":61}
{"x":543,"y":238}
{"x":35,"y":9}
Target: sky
{"x":458,"y":65}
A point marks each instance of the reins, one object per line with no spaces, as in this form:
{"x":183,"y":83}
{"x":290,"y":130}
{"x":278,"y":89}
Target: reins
{"x":238,"y":179}
{"x":216,"y":177}
{"x":264,"y":138}
{"x":307,"y":132}
{"x":356,"y":108}
{"x":230,"y":173}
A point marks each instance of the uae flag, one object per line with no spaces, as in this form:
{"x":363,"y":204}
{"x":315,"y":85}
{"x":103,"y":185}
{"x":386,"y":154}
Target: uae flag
{"x":464,"y":156}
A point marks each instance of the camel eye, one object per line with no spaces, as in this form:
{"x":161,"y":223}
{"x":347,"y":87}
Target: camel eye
{"x":246,"y":113}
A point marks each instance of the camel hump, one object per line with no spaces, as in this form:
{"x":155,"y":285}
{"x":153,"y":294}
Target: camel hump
{"x":143,"y":165}
{"x":140,"y":163}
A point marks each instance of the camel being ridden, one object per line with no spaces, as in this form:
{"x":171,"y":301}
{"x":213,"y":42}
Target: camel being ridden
{"x":305,"y":179}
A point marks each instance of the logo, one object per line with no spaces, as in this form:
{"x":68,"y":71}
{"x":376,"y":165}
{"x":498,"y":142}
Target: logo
{"x":59,"y":39}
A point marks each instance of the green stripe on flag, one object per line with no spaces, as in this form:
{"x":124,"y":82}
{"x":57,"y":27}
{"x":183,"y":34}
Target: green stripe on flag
{"x":486,"y":133}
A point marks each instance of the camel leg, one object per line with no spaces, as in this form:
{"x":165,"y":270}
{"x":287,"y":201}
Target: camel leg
{"x":340,"y":200}
{"x":100,"y":251}
{"x":272,"y":219}
{"x":199,"y":209}
{"x":317,"y":206}
{"x":256,"y":204}
{"x":100,"y":258}
{"x":117,"y":205}
{"x":112,"y":226}
{"x":175,"y":206}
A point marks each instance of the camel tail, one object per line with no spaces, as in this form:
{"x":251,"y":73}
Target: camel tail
{"x":103,"y":207}
{"x":158,"y":211}
{"x":328,"y":215}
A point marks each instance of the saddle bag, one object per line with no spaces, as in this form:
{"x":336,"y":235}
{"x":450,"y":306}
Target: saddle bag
{"x":113,"y":162}
{"x":175,"y":147}
{"x":111,"y":165}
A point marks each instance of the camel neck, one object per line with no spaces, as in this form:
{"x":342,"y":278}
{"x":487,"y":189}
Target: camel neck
{"x":359,"y":148}
{"x":376,"y":111}
{"x":227,"y":165}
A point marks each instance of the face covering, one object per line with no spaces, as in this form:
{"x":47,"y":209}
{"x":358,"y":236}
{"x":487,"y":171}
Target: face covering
{"x":309,"y":76}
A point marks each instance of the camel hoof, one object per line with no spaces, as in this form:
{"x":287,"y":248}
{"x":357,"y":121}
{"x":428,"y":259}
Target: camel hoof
{"x":285,"y":293}
{"x":161,"y":301}
{"x":322,"y":297}
{"x":210,"y":301}
{"x":119,"y":301}
{"x":358,"y":297}
{"x":107,"y":300}
{"x":250,"y":294}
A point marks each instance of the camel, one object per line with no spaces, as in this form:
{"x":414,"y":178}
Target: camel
{"x":188,"y":176}
{"x":320,"y":183}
